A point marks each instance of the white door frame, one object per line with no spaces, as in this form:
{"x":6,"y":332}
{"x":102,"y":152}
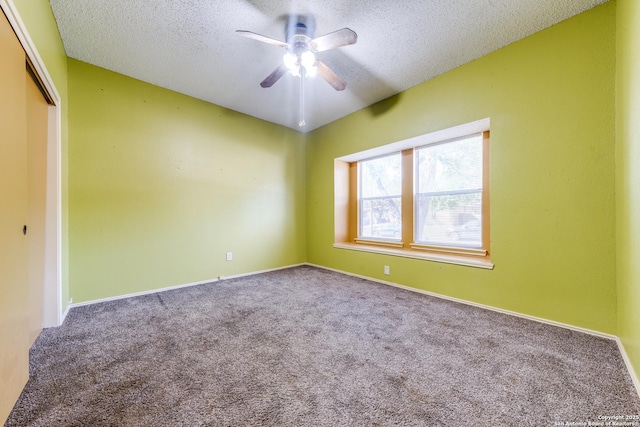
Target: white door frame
{"x":52,"y":292}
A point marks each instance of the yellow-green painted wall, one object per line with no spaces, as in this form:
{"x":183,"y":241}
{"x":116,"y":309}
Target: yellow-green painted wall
{"x":162,"y":185}
{"x":551,"y":100}
{"x":43,"y":30}
{"x":628,"y":176}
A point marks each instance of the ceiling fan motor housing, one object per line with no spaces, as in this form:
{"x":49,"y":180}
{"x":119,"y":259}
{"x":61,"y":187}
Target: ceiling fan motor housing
{"x":299,"y":33}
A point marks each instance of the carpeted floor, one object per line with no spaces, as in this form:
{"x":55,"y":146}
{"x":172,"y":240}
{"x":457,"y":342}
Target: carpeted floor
{"x":309,"y":347}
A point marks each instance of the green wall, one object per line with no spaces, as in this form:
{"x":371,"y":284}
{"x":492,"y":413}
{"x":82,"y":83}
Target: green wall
{"x":162,"y":185}
{"x":551,"y":100}
{"x":43,"y":30}
{"x":628,"y":177}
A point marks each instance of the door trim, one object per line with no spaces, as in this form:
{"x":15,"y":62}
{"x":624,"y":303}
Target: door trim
{"x":53,"y":314}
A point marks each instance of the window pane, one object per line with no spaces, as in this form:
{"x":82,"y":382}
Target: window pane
{"x":381,"y":176}
{"x":449,"y":194}
{"x":453,"y":165}
{"x":450,"y":220}
{"x":380,"y":197}
{"x":381,"y":217}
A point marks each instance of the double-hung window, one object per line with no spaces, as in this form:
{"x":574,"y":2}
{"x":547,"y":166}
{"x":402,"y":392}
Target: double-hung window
{"x":380,"y":200}
{"x":448,"y":193}
{"x":427,"y":198}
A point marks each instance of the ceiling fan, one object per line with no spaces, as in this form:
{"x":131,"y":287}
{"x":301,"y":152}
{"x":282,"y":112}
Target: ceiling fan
{"x":301,"y":47}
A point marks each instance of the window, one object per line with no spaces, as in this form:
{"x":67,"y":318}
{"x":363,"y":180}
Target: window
{"x":380,"y":200}
{"x":427,"y":198}
{"x":448,"y":195}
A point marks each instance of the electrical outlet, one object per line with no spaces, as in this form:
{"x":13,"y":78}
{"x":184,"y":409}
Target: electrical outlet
{"x":229,"y":256}
{"x":387,"y":270}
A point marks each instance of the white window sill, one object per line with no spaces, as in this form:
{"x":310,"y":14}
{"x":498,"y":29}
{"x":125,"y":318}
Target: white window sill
{"x":417,"y":254}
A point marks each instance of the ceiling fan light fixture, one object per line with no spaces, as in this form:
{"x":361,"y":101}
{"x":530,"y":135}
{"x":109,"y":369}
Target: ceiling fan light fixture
{"x":307,"y":59}
{"x":290,"y":61}
{"x":311,"y":71}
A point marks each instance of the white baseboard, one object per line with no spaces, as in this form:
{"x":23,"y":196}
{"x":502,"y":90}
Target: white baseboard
{"x":169,"y":288}
{"x":632,"y":372}
{"x":66,"y":311}
{"x":627,"y":362}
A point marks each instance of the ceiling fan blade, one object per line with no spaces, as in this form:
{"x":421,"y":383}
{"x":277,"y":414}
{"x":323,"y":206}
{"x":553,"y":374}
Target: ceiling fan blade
{"x":274,"y":77}
{"x":336,"y":82}
{"x":329,"y":41}
{"x":261,"y":38}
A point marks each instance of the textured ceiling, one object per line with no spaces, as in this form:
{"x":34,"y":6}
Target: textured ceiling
{"x":190,"y":46}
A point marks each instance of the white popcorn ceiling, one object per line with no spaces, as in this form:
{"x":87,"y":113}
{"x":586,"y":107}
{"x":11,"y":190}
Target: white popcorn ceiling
{"x":190,"y":46}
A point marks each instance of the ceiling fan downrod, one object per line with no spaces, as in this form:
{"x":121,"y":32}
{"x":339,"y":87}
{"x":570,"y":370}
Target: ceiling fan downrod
{"x":301,"y":122}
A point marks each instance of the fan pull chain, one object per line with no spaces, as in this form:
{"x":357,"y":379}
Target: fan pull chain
{"x":301,"y":122}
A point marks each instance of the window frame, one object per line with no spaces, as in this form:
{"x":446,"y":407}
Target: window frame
{"x":347,"y":201}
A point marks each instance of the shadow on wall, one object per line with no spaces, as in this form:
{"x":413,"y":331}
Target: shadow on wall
{"x":384,"y":106}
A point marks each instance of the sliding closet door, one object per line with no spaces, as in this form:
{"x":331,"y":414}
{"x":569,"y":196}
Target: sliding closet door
{"x":37,"y":118}
{"x":14,"y":340}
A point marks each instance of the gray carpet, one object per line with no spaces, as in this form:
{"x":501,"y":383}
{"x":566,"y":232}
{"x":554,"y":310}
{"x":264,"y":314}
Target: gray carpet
{"x":309,"y":347}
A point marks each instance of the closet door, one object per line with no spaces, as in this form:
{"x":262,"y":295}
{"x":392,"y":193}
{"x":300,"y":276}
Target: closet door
{"x":37,"y":120}
{"x":14,"y":345}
